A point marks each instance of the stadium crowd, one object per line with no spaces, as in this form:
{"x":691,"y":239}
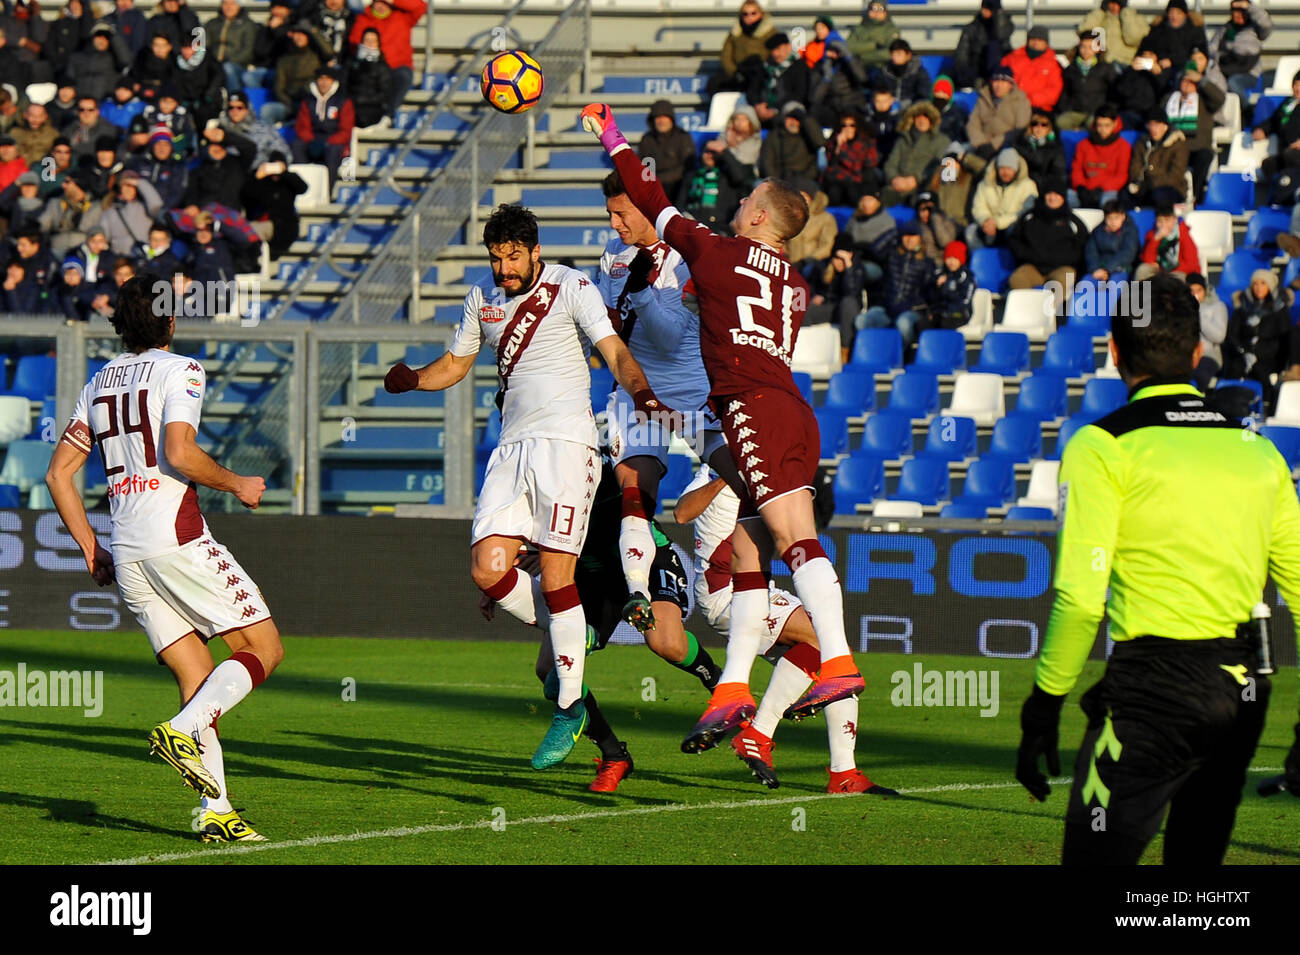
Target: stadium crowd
{"x":857,"y":121}
{"x":132,"y":139}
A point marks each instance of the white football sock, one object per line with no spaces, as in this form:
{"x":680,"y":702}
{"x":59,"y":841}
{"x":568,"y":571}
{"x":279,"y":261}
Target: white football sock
{"x":787,"y":685}
{"x":569,"y":644}
{"x":842,"y":732}
{"x":819,"y":591}
{"x":636,"y":547}
{"x":541,"y":612}
{"x":225,"y":686}
{"x":748,"y":608}
{"x":214,"y":761}
{"x":518,"y":600}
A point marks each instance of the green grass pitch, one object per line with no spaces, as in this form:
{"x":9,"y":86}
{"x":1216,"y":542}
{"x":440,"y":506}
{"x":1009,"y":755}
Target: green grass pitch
{"x":429,"y":764}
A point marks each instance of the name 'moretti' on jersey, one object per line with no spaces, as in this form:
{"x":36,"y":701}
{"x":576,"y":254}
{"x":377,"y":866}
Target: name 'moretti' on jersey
{"x":752,"y":302}
{"x":125,"y":410}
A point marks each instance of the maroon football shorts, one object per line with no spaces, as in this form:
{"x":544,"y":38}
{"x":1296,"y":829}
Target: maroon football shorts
{"x":774,"y":440}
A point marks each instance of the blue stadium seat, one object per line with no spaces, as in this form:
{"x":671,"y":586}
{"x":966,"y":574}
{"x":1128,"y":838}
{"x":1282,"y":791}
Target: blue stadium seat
{"x":35,"y":377}
{"x":901,"y":214}
{"x":1249,"y":384}
{"x":562,"y":196}
{"x":1144,"y":219}
{"x":1043,"y":396}
{"x":966,"y":99}
{"x":833,"y":427}
{"x":1016,"y":438}
{"x":939,"y":351}
{"x":25,"y":463}
{"x":851,"y":390}
{"x":841,"y":214}
{"x":257,"y":97}
{"x":964,"y":510}
{"x":1266,"y":106}
{"x":924,"y":480}
{"x":10,"y":497}
{"x":877,"y":350}
{"x":859,"y":479}
{"x":990,"y":482}
{"x":602,"y":383}
{"x":803,"y":381}
{"x":1070,"y":139}
{"x":1287,"y":441}
{"x":936,"y":64}
{"x":1003,"y":353}
{"x":1291,"y":273}
{"x":309,"y":311}
{"x":887,"y":435}
{"x":1030,"y":514}
{"x":1068,"y":428}
{"x":914,"y":394}
{"x":681,"y":469}
{"x":1069,"y":354}
{"x":951,"y":438}
{"x":1264,"y":226}
{"x":1101,"y":396}
{"x":1237,"y":268}
{"x":1229,"y":192}
{"x":1130,"y":136}
{"x":991,"y":268}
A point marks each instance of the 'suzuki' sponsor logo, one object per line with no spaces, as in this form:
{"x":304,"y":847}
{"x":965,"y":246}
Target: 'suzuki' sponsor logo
{"x":134,"y":484}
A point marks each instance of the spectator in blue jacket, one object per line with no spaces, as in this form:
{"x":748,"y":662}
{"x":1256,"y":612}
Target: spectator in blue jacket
{"x":1113,"y":246}
{"x":21,"y":294}
{"x":908,"y":270}
{"x":953,"y":292}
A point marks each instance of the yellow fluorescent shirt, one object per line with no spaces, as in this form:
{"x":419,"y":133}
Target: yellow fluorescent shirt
{"x":1182,"y":512}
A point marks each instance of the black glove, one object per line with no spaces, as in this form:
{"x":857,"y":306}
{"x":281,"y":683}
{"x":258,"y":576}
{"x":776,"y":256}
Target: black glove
{"x":1040,"y":723}
{"x":1289,"y":781}
{"x":638,"y":272}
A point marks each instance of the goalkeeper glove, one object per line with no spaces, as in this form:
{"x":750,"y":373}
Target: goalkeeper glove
{"x":1040,"y":722}
{"x":1290,"y":778}
{"x":638,"y":272}
{"x":401,"y":377}
{"x":598,"y":118}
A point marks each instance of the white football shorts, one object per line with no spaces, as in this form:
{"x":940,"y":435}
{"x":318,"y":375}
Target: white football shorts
{"x":716,"y":608}
{"x":199,"y":587}
{"x":539,"y":490}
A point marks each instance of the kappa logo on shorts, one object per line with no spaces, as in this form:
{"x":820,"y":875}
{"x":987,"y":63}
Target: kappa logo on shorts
{"x":241,"y":596}
{"x":214,"y":552}
{"x":740,"y":418}
{"x":223,"y":566}
{"x":249,"y":612}
{"x":745,"y":432}
{"x":491,"y":314}
{"x":735,"y":406}
{"x":771,"y":624}
{"x":232,"y":580}
{"x":752,"y":460}
{"x":761,"y":490}
{"x":747,"y":447}
{"x":758,"y":475}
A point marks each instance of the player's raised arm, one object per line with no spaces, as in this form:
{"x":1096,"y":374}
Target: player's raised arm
{"x":695,"y":500}
{"x":195,"y":464}
{"x":446,"y":371}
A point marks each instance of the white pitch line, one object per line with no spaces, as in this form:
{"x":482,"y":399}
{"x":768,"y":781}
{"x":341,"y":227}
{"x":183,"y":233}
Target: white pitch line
{"x":401,"y":832}
{"x":601,"y":815}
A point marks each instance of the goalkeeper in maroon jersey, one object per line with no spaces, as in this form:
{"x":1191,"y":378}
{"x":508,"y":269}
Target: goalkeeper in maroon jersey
{"x":752,"y":302}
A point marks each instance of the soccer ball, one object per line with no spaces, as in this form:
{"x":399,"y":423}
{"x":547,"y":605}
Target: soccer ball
{"x":512,"y":82}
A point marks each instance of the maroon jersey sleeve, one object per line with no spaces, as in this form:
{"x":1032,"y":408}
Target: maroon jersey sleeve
{"x":691,"y":239}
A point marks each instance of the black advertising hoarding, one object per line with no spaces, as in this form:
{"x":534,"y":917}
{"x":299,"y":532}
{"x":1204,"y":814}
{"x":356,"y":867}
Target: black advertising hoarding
{"x":928,"y":592}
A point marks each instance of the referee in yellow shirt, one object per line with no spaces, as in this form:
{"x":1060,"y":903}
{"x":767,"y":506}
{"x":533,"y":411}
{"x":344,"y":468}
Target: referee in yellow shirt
{"x":1183,"y":513}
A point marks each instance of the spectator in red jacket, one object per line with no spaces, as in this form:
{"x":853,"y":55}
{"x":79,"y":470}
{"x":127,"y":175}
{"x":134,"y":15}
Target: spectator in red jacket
{"x":394,"y":19}
{"x":1036,"y":70}
{"x":1099,"y":171}
{"x":1169,"y":248}
{"x":324,"y":125}
{"x":12,"y":165}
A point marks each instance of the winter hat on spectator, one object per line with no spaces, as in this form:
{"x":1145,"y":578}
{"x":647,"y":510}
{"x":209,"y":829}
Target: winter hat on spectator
{"x":910,"y":227}
{"x":1009,"y":158}
{"x":138,"y":124}
{"x":793,"y":108}
{"x":955,"y":250}
{"x":105,"y":144}
{"x":329,"y":71}
{"x":96,"y":230}
{"x":72,"y":264}
{"x":1057,"y":185}
{"x":1038,"y":33}
{"x":128,"y":175}
{"x":29,"y":178}
{"x":843,"y":243}
{"x":302,"y":26}
{"x":993,"y":5}
{"x":169,"y":91}
{"x":124,"y":83}
{"x":775,"y":40}
{"x":1176,"y":5}
{"x":7,"y":140}
{"x":102,"y":27}
{"x":942,"y":87}
{"x":237,"y":97}
{"x":872,"y":188}
{"x":1196,"y":278}
{"x":900,"y":44}
{"x":1003,"y":73}
{"x":160,"y":132}
{"x":827,"y":19}
{"x":1267,"y":276}
{"x":661,"y":107}
{"x":1157,"y":114}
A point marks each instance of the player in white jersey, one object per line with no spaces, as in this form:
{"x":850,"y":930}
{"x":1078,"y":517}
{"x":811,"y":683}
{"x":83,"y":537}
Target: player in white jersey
{"x":543,"y":474}
{"x":641,"y":280}
{"x":713,"y":507}
{"x":142,"y":413}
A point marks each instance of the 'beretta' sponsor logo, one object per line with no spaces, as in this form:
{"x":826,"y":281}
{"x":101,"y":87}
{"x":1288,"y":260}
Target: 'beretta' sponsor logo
{"x":491,"y":314}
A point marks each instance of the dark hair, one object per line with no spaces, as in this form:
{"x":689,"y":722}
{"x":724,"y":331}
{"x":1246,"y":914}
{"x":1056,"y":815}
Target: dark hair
{"x":137,"y":318}
{"x":510,"y":222}
{"x":1112,"y":205}
{"x":788,"y":208}
{"x":1161,"y":340}
{"x":31,"y":233}
{"x":1106,"y":111}
{"x":613,"y":185}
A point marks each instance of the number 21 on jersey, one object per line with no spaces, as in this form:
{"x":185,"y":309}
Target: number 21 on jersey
{"x":745,"y":305}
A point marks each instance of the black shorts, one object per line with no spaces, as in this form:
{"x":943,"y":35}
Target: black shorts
{"x":1172,"y":724}
{"x":604,"y":590}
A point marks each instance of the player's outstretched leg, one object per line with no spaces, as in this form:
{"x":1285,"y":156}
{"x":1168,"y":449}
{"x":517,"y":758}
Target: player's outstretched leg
{"x":615,"y":762}
{"x":842,"y":733}
{"x":819,"y":591}
{"x":218,"y":819}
